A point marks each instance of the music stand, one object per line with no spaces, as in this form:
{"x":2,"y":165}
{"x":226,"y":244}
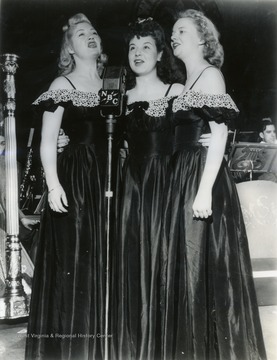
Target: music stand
{"x":256,"y":158}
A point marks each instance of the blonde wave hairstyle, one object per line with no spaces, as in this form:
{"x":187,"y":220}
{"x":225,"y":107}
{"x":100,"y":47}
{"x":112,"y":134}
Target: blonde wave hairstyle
{"x":66,"y":60}
{"x":212,"y":50}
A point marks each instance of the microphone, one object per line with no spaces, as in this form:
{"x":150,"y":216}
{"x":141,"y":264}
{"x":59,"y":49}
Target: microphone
{"x":113,"y":91}
{"x":111,"y":106}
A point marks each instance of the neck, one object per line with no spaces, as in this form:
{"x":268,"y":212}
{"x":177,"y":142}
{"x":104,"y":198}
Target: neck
{"x":148,"y":81}
{"x":194,"y":63}
{"x":148,"y":87}
{"x":87,"y":69}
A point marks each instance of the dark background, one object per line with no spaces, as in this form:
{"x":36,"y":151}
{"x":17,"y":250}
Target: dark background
{"x":32,"y":30}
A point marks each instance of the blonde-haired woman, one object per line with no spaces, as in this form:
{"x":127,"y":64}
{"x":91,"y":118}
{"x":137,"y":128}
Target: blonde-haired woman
{"x":67,"y":306}
{"x":211,"y":306}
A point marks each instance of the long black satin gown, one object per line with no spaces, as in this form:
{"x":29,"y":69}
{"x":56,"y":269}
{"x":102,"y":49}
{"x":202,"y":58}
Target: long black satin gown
{"x":211,"y":305}
{"x":141,"y":276}
{"x":68,"y":296}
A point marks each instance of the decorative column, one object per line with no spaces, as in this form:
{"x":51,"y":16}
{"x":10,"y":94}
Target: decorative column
{"x":14,"y":303}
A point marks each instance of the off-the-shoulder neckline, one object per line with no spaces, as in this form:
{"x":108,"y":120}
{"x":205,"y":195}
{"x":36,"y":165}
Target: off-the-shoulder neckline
{"x":152,"y":100}
{"x":191,"y":91}
{"x":78,"y":97}
{"x":71,"y":90}
{"x":197,"y":99}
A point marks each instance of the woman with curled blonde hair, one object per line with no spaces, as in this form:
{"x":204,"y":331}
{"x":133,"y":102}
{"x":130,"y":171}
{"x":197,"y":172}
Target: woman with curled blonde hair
{"x":212,"y":49}
{"x":66,"y":60}
{"x":211,"y":309}
{"x":68,"y":294}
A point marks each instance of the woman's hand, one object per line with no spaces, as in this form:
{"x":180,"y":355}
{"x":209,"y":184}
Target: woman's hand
{"x":28,"y":223}
{"x":202,"y":206}
{"x":205,"y":139}
{"x":57,"y":199}
{"x":63,"y":140}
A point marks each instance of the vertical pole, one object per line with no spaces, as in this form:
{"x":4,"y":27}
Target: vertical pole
{"x":14,"y":303}
{"x":110,"y":122}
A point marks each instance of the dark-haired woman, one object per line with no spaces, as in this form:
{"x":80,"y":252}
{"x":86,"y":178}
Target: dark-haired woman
{"x":68,"y":297}
{"x":211,"y":305}
{"x":150,"y":141}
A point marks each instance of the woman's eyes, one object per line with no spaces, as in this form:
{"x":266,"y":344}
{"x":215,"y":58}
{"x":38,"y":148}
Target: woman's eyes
{"x":92,"y":33}
{"x":145,"y":47}
{"x":178,"y":32}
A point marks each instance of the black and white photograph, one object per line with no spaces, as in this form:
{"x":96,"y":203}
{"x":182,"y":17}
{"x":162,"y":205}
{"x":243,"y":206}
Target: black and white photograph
{"x":138,"y":182}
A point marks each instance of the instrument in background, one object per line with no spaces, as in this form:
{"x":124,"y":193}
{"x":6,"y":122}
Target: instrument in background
{"x":14,"y":303}
{"x":33,"y":182}
{"x":255,"y":158}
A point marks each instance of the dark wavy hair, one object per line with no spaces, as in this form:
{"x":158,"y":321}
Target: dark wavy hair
{"x":66,"y":61}
{"x":167,"y":69}
{"x":265,"y":122}
{"x":212,"y":51}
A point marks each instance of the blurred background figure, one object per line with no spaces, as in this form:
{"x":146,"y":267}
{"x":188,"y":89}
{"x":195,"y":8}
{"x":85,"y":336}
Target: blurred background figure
{"x":268,"y":131}
{"x":268,"y":136}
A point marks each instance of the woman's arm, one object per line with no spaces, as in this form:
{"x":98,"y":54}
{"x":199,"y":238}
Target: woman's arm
{"x":212,"y":82}
{"x":48,"y":151}
{"x":202,"y":206}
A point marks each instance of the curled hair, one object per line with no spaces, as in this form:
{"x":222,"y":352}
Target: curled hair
{"x":166,"y":67}
{"x":212,"y":50}
{"x":66,"y":60}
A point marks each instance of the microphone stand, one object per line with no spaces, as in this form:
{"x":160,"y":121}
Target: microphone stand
{"x":110,"y":125}
{"x":111,"y":102}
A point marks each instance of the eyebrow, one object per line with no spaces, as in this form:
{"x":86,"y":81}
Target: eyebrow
{"x":82,"y":29}
{"x":147,"y":42}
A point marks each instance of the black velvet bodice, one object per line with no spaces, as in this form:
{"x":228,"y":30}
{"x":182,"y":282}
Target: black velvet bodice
{"x":149,"y":129}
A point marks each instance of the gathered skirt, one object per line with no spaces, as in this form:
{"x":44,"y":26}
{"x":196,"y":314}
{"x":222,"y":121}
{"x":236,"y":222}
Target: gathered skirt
{"x":68,"y":297}
{"x":211,"y":309}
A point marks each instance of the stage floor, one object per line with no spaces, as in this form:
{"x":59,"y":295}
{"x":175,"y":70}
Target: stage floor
{"x":13,"y":335}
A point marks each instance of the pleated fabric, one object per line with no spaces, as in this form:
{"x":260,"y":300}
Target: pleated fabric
{"x":68,"y":297}
{"x":211,"y":309}
{"x":139,"y":243}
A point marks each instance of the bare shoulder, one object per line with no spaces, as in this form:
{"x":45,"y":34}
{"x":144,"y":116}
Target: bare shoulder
{"x":176,"y":89}
{"x":60,"y":83}
{"x":211,"y":82}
